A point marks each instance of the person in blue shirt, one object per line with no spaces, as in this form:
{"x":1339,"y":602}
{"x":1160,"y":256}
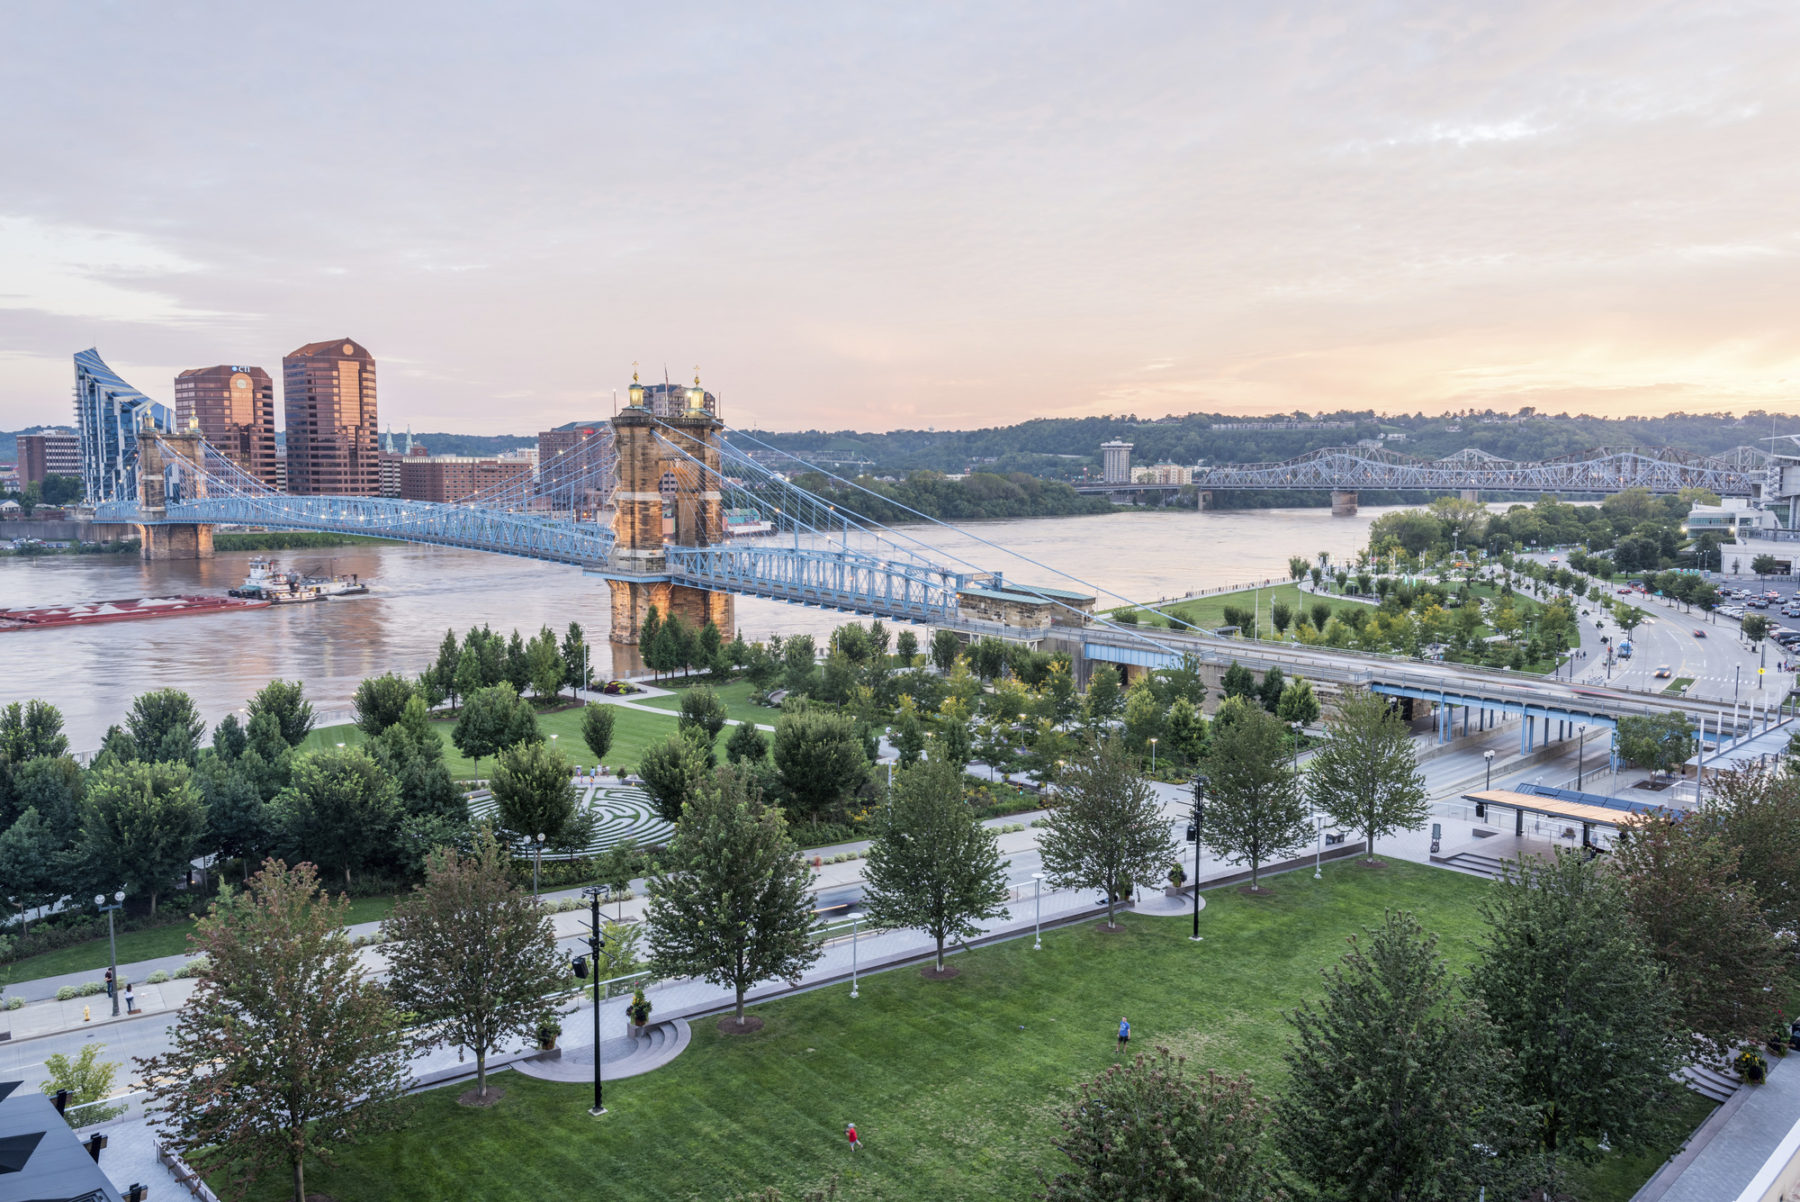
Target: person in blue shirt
{"x":1124,"y":1034}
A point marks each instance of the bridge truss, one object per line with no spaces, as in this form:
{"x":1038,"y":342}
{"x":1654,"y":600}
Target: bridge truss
{"x":1349,"y":469}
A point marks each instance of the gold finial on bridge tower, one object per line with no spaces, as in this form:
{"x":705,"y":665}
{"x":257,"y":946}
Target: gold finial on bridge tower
{"x":696,"y":395}
{"x":636,"y":392}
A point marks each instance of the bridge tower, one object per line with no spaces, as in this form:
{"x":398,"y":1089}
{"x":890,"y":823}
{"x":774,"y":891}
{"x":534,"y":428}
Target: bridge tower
{"x":168,"y":470}
{"x":646,"y":466}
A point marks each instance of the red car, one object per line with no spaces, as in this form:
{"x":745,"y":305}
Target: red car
{"x":1698,"y":633}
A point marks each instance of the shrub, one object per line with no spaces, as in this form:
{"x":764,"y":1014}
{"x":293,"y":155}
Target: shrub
{"x":197,"y":967}
{"x":156,"y":978}
{"x":15,"y":1003}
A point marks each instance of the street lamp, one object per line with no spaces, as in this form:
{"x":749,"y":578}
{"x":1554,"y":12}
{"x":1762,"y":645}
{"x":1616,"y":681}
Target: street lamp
{"x":1488,"y":755}
{"x":1319,"y":850}
{"x":1037,"y":922}
{"x":1200,"y":783}
{"x":596,"y":941}
{"x":855,"y":917}
{"x":112,"y":942}
{"x":1152,"y":757}
{"x":537,"y":858}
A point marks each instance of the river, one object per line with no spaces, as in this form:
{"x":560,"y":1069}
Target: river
{"x":92,"y":672}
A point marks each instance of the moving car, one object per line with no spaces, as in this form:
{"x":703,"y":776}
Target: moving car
{"x":1699,"y":633}
{"x":1663,"y":672}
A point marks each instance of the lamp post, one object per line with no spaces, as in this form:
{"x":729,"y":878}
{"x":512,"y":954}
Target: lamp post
{"x":595,"y":942}
{"x":1488,"y":755}
{"x":1200,"y":783}
{"x":1319,"y":849}
{"x":1153,"y":757}
{"x":1037,"y":921}
{"x":1581,"y":746}
{"x":537,"y":858}
{"x":855,"y":918}
{"x":112,"y":942}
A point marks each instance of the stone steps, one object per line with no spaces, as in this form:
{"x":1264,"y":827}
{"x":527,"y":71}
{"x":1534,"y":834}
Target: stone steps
{"x":1709,"y":1082}
{"x":625,"y":1055}
{"x":1474,"y":863}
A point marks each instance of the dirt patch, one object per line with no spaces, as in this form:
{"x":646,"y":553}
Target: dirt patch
{"x":1373,"y":863}
{"x":1116,"y":928}
{"x":932,"y":972}
{"x":471,"y":1097}
{"x":1255,"y":891}
{"x":729,"y":1025}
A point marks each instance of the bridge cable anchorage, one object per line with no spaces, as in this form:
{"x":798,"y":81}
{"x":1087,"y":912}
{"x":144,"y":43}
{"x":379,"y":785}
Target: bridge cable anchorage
{"x":1601,"y":470}
{"x":1083,"y":617}
{"x":215,"y":491}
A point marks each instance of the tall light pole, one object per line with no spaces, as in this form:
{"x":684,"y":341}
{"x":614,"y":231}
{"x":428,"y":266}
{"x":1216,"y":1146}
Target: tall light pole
{"x":537,"y":858}
{"x":855,"y":918}
{"x":1319,"y":849}
{"x":1037,"y":921}
{"x":1488,"y":755}
{"x":596,"y":941}
{"x":1152,"y":757}
{"x":1200,"y":783}
{"x":112,"y":942}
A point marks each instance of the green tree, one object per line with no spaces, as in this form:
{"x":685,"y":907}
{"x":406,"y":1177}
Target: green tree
{"x":1238,"y":681}
{"x":286,"y":700}
{"x":287,"y":1049}
{"x":1702,"y":922}
{"x":945,"y":647}
{"x":445,"y":670}
{"x":1758,"y":813}
{"x":1104,"y":700}
{"x":1765,"y":565}
{"x":31,"y":730}
{"x":1755,"y":627}
{"x":469,"y":679}
{"x":597,"y":729}
{"x":141,"y":825}
{"x":1255,"y":811}
{"x":517,"y":672}
{"x":906,"y":646}
{"x":237,"y":817}
{"x":1145,"y":1130}
{"x":1657,"y":742}
{"x":1367,"y":775}
{"x":1397,"y":1090}
{"x":1274,"y":683}
{"x":1298,"y":706}
{"x":577,"y":673}
{"x":164,"y":726}
{"x":1107,"y":831}
{"x":747,"y":745}
{"x":544,"y":664}
{"x":380,"y":701}
{"x":88,"y":1079}
{"x":734,"y":905}
{"x":1186,"y":738}
{"x":1143,"y":717}
{"x":932,"y":866}
{"x":1297,"y":566}
{"x":797,"y":664}
{"x":54,"y":787}
{"x":1628,"y":617}
{"x":341,"y":810}
{"x":534,"y":794}
{"x":673,"y":771}
{"x":1577,"y":999}
{"x":31,"y":873}
{"x":471,"y":954}
{"x":819,"y":756}
{"x":648,"y":634}
{"x":1281,"y":616}
{"x":493,"y":718}
{"x":701,"y":710}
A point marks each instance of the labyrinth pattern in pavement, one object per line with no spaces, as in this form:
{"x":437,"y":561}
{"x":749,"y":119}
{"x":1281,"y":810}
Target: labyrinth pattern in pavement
{"x":621,"y":811}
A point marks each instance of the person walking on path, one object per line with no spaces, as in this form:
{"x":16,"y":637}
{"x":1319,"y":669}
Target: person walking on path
{"x":1124,"y":1034}
{"x":850,"y":1134}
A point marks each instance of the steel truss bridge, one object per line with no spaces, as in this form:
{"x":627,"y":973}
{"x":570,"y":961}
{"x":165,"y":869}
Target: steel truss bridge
{"x":1350,"y":469}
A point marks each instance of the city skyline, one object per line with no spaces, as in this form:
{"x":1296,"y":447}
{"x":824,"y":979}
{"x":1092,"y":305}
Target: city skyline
{"x":881,"y":220}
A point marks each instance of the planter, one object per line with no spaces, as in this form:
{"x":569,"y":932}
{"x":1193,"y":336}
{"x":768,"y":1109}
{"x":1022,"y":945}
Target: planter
{"x":1174,"y":891}
{"x":546,"y":1045}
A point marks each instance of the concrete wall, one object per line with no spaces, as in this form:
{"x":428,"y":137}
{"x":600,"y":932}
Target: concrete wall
{"x":60,"y":530}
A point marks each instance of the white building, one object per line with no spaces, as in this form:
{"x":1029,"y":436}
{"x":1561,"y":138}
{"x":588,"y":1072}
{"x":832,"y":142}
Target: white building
{"x":1736,"y":519}
{"x":1116,"y":462}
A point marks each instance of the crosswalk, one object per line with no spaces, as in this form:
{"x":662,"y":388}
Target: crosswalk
{"x":621,"y":812}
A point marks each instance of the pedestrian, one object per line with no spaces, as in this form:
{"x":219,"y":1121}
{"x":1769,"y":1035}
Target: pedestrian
{"x":850,"y":1134}
{"x":130,"y":999}
{"x":1124,"y":1033}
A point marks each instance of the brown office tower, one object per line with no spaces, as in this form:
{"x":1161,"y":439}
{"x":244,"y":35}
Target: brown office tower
{"x":233,"y":407}
{"x":328,"y":402}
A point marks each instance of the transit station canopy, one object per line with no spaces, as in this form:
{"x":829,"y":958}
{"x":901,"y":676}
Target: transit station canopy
{"x":1556,"y":807}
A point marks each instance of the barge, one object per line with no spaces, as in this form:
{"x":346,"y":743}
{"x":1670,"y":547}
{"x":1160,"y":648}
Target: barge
{"x":85,"y":613}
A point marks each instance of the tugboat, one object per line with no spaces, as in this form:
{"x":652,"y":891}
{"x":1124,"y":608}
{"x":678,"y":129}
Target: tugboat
{"x":267,"y":582}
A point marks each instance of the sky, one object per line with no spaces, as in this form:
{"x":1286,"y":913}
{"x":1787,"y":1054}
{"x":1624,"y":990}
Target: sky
{"x":880,"y":216}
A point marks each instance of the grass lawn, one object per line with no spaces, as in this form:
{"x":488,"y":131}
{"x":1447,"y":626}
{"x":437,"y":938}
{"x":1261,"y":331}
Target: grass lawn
{"x":953,"y":1085}
{"x":633,"y":731}
{"x":92,"y":956}
{"x":735,"y":695}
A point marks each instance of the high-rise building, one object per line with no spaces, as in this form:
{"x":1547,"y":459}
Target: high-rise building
{"x":234,"y":409}
{"x":574,"y":470}
{"x":48,"y":453}
{"x":108,"y":414}
{"x":453,"y":477}
{"x":1116,"y":462}
{"x":328,"y":406}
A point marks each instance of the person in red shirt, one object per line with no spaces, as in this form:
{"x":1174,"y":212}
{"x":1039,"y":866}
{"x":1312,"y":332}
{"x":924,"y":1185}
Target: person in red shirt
{"x":850,"y":1133}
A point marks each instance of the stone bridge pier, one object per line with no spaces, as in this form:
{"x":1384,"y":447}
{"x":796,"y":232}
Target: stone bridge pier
{"x":167,"y":470}
{"x":1343,"y":503}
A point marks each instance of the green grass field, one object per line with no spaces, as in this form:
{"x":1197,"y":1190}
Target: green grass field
{"x":953,"y":1085}
{"x":633,"y":731}
{"x":736,"y":697}
{"x":1209,"y":612}
{"x":92,"y":956}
